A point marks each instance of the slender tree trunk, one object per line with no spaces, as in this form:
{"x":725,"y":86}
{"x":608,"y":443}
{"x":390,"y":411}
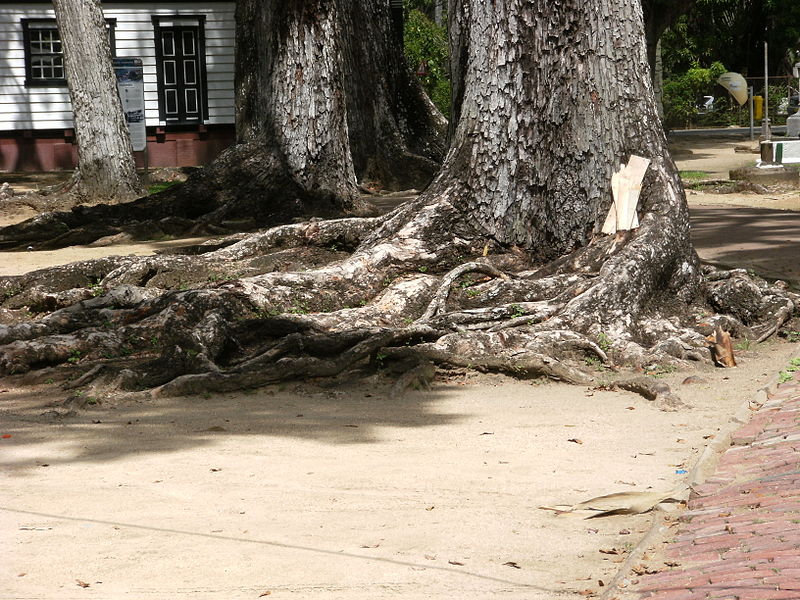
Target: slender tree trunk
{"x":106,"y":169}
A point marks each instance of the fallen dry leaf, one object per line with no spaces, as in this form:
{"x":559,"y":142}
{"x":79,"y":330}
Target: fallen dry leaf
{"x":575,"y":441}
{"x":644,"y":570}
{"x":512,"y":564}
{"x":611,"y":551}
{"x":456,"y":563}
{"x":83,"y":584}
{"x":267,"y":593}
{"x":430,"y":508}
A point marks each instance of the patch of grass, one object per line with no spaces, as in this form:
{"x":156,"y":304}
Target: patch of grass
{"x":693,"y":175}
{"x":793,"y":336}
{"x":161,"y":186}
{"x":744,"y":345}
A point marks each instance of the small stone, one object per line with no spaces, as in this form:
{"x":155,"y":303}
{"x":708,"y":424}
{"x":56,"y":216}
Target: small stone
{"x":694,"y":379}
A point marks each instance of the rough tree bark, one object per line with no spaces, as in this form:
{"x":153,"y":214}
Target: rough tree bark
{"x":499,"y":265}
{"x":106,"y":170}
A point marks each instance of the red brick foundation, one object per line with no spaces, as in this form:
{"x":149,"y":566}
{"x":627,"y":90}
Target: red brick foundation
{"x":55,"y":150}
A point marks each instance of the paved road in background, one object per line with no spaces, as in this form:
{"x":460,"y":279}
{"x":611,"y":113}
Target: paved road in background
{"x":726,"y":131}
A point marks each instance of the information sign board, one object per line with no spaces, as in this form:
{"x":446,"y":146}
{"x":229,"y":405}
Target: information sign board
{"x":130,"y":83}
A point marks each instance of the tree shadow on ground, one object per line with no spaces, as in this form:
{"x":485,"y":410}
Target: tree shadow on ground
{"x":767,"y":241}
{"x":345,"y":414}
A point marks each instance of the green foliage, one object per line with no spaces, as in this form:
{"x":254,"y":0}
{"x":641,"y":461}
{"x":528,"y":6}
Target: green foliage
{"x":681,"y":93}
{"x":788,"y":374}
{"x":604,"y":341}
{"x":426,"y":43}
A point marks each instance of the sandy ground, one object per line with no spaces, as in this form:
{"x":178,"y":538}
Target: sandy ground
{"x":337,"y":491}
{"x":340,"y":492}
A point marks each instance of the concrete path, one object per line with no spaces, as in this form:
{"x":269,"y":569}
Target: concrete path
{"x":767,"y":241}
{"x":740,"y":537}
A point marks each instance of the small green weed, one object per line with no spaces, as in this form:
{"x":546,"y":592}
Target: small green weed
{"x":793,"y":336}
{"x":604,"y":342}
{"x":161,"y":186}
{"x":423,"y":269}
{"x":744,"y":345}
{"x":74,"y":356}
{"x":299,"y":308}
{"x":595,"y":363}
{"x":659,"y":370}
{"x":516,"y":311}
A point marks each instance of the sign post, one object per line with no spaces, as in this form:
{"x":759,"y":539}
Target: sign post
{"x":130,"y":83}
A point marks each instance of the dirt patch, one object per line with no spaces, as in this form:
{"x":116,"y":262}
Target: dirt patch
{"x":333,"y":491}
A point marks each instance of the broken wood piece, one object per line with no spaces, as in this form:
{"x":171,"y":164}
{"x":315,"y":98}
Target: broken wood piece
{"x":722,"y":348}
{"x":626,"y":187}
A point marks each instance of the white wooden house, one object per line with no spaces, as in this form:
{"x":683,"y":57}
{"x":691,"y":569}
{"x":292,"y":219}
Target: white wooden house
{"x":187,"y":48}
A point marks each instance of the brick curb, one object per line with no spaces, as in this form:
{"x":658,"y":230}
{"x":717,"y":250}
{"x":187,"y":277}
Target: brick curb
{"x":739,"y":431}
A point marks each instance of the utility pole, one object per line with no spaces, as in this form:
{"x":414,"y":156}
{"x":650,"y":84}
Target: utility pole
{"x":766,"y":134}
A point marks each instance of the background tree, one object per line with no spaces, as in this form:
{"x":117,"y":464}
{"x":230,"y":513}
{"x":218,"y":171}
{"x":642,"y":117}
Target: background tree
{"x":324,"y":100}
{"x":733,"y":32}
{"x":660,"y":15}
{"x":106,"y":169}
{"x":499,"y":264}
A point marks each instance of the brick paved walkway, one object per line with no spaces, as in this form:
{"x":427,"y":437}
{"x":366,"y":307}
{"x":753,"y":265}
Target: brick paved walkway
{"x":740,"y":537}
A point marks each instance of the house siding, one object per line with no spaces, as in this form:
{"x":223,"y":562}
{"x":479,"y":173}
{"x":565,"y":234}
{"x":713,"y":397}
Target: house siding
{"x":36,"y":126}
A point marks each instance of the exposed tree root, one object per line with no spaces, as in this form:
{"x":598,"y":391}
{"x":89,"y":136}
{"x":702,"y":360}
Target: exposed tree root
{"x":389,"y":292}
{"x":652,"y":389}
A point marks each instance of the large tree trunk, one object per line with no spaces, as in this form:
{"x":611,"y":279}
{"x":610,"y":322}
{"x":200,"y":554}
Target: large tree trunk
{"x":500,"y":264}
{"x":292,"y":154}
{"x":106,"y":169}
{"x":396,"y":134}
